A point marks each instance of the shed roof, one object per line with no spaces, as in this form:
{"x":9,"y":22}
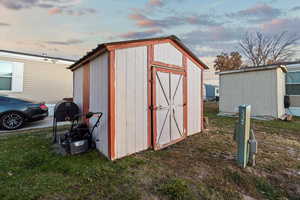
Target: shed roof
{"x":251,"y":69}
{"x":106,"y":46}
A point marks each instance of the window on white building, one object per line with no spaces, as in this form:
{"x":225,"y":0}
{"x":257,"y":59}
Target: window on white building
{"x":11,"y":76}
{"x":293,"y":83}
{"x":6,"y":75}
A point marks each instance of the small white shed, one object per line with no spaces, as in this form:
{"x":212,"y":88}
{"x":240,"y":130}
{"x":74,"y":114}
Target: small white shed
{"x":261,"y":87}
{"x":149,"y":90}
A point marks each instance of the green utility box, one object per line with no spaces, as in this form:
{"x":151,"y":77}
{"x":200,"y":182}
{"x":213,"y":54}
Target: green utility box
{"x":244,"y":136}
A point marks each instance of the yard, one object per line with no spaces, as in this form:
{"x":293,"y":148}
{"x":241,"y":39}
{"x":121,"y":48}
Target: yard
{"x":201,"y":167}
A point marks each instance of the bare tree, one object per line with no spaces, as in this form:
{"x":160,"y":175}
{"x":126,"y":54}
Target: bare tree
{"x":263,"y":49}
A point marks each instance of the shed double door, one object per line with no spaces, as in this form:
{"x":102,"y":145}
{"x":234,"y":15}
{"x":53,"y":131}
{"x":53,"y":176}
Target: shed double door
{"x":169,"y":107}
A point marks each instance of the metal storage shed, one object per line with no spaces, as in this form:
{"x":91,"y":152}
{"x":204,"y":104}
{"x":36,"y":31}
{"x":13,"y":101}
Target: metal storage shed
{"x":149,"y":90}
{"x":261,"y":87}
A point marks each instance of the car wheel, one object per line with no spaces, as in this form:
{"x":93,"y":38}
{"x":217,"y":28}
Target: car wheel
{"x":12,"y":121}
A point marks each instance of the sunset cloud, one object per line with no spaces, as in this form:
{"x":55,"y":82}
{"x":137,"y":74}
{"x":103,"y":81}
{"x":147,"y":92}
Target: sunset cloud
{"x":66,"y":43}
{"x":143,"y":21}
{"x":4,"y":24}
{"x":156,"y":3}
{"x":209,"y":28}
{"x":213,"y":34}
{"x":141,"y":34}
{"x":25,"y":4}
{"x":296,"y":8}
{"x":72,"y":12}
{"x":203,"y":19}
{"x":257,"y":13}
{"x":284,"y":24}
{"x":55,"y":11}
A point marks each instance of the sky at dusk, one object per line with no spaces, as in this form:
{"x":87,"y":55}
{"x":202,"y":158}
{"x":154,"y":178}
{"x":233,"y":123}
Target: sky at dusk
{"x":70,"y":28}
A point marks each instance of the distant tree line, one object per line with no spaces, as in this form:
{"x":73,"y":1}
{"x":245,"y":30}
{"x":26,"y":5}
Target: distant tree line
{"x":258,"y":49}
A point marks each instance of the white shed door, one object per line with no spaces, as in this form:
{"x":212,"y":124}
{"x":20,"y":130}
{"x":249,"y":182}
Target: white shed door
{"x":168,"y":108}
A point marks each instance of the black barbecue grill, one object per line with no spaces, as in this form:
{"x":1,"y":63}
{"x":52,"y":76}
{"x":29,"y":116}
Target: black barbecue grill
{"x":64,"y":111}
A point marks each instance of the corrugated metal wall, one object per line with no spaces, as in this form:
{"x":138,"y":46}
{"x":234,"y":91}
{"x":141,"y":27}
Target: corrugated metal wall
{"x":257,"y":88}
{"x":131,"y":101}
{"x":78,"y":87}
{"x":194,"y":98}
{"x":167,"y":53}
{"x":99,"y":99}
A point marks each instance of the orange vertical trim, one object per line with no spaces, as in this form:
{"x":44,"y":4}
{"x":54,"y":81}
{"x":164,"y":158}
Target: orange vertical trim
{"x":73,"y":85}
{"x":202,"y":102}
{"x":185,"y":95}
{"x":150,"y":57}
{"x":154,"y":111}
{"x":86,"y":89}
{"x":111,"y":105}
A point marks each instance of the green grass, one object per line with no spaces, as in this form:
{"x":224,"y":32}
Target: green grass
{"x":176,"y":189}
{"x":200,"y":167}
{"x":271,"y":126}
{"x":29,"y":170}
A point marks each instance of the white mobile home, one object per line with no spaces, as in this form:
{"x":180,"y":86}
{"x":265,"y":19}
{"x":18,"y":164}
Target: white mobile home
{"x":293,"y":86}
{"x":150,"y":92}
{"x":35,"y":77}
{"x":261,"y":87}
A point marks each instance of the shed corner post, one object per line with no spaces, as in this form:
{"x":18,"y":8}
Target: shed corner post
{"x":111,"y":105}
{"x":185,"y":95}
{"x":86,"y":90}
{"x":202,"y":101}
{"x":150,"y":59}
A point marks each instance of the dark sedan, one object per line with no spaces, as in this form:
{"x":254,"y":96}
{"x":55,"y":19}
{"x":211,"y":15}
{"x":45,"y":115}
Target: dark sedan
{"x":15,"y":112}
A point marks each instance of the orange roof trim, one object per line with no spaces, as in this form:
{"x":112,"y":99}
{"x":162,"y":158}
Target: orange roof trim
{"x":142,"y":42}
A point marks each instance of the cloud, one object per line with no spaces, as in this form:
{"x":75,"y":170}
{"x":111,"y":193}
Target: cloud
{"x":143,"y":21}
{"x":16,"y":5}
{"x":296,"y":8}
{"x":203,"y":19}
{"x":213,"y":34}
{"x":155,"y":3}
{"x":72,"y":12}
{"x":55,"y":6}
{"x":258,"y":13}
{"x":45,"y":5}
{"x":4,"y":24}
{"x":206,"y":50}
{"x":25,"y":4}
{"x":65,"y":43}
{"x":284,"y":24}
{"x":141,"y":34}
{"x":213,"y":40}
{"x":55,"y":11}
